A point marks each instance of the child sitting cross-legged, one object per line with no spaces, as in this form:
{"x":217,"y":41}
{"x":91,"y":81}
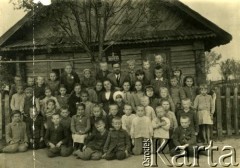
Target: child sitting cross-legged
{"x":57,"y":138}
{"x":141,"y":129}
{"x":94,"y":143}
{"x":35,"y":129}
{"x":16,"y":136}
{"x":117,"y":145}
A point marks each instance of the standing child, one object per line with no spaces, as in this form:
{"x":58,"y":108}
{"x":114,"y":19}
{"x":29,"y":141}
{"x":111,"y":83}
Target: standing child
{"x":30,"y":101}
{"x":147,"y":71}
{"x":118,"y":98}
{"x":63,"y":97}
{"x":97,"y":115}
{"x":164,"y":95}
{"x":80,"y":126}
{"x":17,"y":101}
{"x":179,"y":76}
{"x":88,"y":104}
{"x":74,"y":99}
{"x":35,"y":129}
{"x":153,"y":99}
{"x":30,"y":82}
{"x":69,"y":78}
{"x":98,"y":89}
{"x":48,"y":112}
{"x":13,"y":88}
{"x":190,"y":113}
{"x":137,"y":94}
{"x":140,"y":76}
{"x":161,"y":126}
{"x":140,"y":130}
{"x":53,"y":83}
{"x":113,"y":112}
{"x":57,"y":138}
{"x":117,"y":145}
{"x":48,"y":96}
{"x":127,"y":118}
{"x":159,"y":80}
{"x":93,"y":145}
{"x":131,"y":71}
{"x":127,"y":96}
{"x":16,"y":136}
{"x":189,"y":88}
{"x":88,"y":81}
{"x":205,"y":110}
{"x":173,"y":121}
{"x":65,"y":118}
{"x":39,"y":89}
{"x":149,"y":111}
{"x":103,"y":72}
{"x":176,"y":92}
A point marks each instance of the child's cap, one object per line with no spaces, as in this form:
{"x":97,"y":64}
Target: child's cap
{"x":116,"y":94}
{"x":86,"y":70}
{"x":130,"y":62}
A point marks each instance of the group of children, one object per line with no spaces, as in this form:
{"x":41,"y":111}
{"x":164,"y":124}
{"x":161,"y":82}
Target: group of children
{"x":110,"y":115}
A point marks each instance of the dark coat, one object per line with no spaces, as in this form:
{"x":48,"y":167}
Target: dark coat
{"x":69,"y":81}
{"x":96,"y":141}
{"x":38,"y":131}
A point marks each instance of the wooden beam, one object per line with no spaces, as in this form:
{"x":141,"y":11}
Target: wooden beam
{"x":219,"y":112}
{"x":228,"y":112}
{"x":235,"y":105}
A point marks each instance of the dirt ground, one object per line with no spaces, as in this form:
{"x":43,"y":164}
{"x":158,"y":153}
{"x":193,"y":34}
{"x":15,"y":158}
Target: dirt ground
{"x":38,"y":159}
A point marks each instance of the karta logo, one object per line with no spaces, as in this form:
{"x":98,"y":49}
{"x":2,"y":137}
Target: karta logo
{"x":44,"y":2}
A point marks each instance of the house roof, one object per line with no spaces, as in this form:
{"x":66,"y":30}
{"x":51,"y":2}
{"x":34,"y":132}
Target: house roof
{"x":173,"y":28}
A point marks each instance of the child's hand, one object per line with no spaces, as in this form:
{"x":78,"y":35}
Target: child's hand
{"x":196,"y":133}
{"x":51,"y":145}
{"x":126,"y":153}
{"x":59,"y":144}
{"x":211,"y":115}
{"x":31,"y":140}
{"x":84,"y":147}
{"x":133,"y":141}
{"x":41,"y":139}
{"x":104,"y":155}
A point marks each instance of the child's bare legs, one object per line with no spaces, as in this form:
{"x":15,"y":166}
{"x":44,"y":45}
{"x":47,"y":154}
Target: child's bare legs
{"x":207,"y":127}
{"x":204,"y":134}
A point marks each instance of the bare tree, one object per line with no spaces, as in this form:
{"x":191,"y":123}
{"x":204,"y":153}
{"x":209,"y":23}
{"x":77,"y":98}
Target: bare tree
{"x":89,"y":23}
{"x":225,"y":69}
{"x":211,"y":59}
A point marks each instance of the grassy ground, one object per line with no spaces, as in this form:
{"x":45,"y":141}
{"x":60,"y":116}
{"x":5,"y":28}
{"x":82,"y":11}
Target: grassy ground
{"x":38,"y":159}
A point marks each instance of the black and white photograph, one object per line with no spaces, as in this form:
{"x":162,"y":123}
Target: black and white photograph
{"x":119,"y":83}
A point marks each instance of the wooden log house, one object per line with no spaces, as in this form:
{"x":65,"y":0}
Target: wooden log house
{"x":182,"y":37}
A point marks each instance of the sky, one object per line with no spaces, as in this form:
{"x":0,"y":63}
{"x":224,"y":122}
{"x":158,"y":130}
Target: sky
{"x":224,"y":13}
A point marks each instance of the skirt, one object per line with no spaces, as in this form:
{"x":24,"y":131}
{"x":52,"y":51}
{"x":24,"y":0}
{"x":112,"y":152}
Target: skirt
{"x":79,"y":138}
{"x":204,"y":117}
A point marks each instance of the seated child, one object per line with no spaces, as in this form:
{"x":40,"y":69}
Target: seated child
{"x":149,"y":111}
{"x":80,"y":126}
{"x":188,"y":111}
{"x":88,"y":104}
{"x":117,"y":145}
{"x":161,"y":126}
{"x":17,"y":101}
{"x":63,"y":97}
{"x":57,"y":138}
{"x":127,"y":118}
{"x":93,"y":145}
{"x":113,"y":112}
{"x":35,"y":129}
{"x":16,"y":135}
{"x":53,"y":83}
{"x":118,"y":99}
{"x":97,"y":115}
{"x":141,"y":129}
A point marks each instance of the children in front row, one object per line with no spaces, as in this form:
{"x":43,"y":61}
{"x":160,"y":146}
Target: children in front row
{"x":16,"y":136}
{"x":57,"y":138}
{"x":117,"y":145}
{"x":93,"y":145}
